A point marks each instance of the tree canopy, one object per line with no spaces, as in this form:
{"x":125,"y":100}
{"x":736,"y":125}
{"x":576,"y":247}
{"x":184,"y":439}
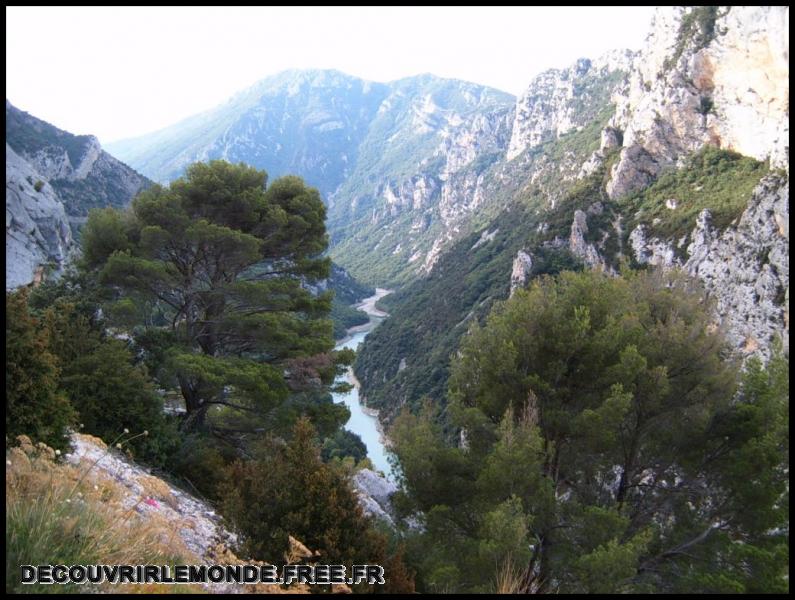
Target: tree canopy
{"x":213,"y":273}
{"x":598,"y":449}
{"x":35,"y":405}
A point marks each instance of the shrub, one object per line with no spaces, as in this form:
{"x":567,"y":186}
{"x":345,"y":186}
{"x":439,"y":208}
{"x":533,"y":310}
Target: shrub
{"x":202,"y":462}
{"x":290,"y":491}
{"x":35,"y":406}
{"x":343,"y":443}
{"x":109,"y":392}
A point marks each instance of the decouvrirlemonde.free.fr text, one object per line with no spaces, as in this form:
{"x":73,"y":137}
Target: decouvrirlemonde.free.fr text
{"x":250,"y":574}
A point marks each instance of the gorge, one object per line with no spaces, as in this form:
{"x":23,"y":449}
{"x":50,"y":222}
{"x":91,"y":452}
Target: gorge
{"x":569,"y":311}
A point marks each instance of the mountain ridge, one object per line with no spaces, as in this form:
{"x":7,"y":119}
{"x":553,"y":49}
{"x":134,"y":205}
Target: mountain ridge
{"x":53,"y":178}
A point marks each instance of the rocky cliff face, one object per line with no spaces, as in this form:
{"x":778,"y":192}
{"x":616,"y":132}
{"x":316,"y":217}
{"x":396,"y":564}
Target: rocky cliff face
{"x":488,"y":162}
{"x":53,"y":178}
{"x":309,"y":123}
{"x":83,"y":175}
{"x":746,"y":267}
{"x":407,"y":167}
{"x":715,"y":76}
{"x":707,"y":75}
{"x":666,"y":172}
{"x":38,"y":236}
{"x":400,"y":164}
{"x":559,"y":101}
{"x":395,"y":215}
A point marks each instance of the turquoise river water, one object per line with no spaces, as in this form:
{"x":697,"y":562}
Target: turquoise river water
{"x":364,"y":421}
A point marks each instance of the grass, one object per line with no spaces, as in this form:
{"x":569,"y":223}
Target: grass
{"x":56,"y":515}
{"x":715,"y":179}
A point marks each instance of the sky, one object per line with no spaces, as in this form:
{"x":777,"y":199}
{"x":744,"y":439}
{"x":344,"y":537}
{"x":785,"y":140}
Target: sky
{"x":119,"y":72}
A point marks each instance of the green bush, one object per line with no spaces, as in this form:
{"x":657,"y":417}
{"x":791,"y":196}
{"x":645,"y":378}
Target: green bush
{"x":343,"y":443}
{"x":35,"y":405}
{"x":202,"y":461}
{"x":287,"y":491}
{"x":109,"y":392}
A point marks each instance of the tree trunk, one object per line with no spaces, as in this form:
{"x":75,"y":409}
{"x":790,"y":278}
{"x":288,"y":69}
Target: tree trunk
{"x":195,"y":408}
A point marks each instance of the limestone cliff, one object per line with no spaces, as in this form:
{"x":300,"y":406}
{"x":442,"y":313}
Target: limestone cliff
{"x":707,"y":75}
{"x":53,"y":178}
{"x":675,"y":156}
{"x":715,"y":76}
{"x":38,"y":236}
{"x":746,"y":267}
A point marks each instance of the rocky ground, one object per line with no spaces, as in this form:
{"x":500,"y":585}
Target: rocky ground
{"x":193,"y":523}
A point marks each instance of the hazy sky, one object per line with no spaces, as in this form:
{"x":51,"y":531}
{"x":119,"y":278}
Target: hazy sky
{"x":119,"y":72}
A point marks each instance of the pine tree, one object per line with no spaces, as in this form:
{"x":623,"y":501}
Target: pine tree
{"x":290,"y":491}
{"x":34,"y":405}
{"x":598,"y":449}
{"x":215,"y":267}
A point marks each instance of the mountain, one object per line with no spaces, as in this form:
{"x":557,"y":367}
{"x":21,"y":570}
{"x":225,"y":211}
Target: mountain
{"x":308,"y":123}
{"x":391,"y":159}
{"x":675,"y":155}
{"x":419,"y":173}
{"x":53,"y":178}
{"x":684,"y":164}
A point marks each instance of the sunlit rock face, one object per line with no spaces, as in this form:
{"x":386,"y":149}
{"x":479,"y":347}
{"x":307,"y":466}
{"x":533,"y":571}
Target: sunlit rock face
{"x":554,"y":102}
{"x":707,"y":75}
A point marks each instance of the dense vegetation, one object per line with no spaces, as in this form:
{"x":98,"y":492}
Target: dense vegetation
{"x":588,"y":434}
{"x":289,"y":490}
{"x":34,"y":403}
{"x":347,"y":291}
{"x":389,"y":250}
{"x":207,"y":290}
{"x":344,"y":317}
{"x":185,"y":254}
{"x":430,"y":315}
{"x":714,"y":179}
{"x":599,"y":450}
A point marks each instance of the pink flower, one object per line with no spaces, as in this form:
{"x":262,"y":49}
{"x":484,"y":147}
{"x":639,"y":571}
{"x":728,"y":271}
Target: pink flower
{"x":151,"y":502}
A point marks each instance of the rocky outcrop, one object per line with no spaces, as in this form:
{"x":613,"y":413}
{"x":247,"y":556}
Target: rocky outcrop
{"x":374,"y":492}
{"x":714,"y":76}
{"x":38,"y":236}
{"x":121,"y":490}
{"x":81,"y":173}
{"x":745,"y":267}
{"x":707,"y":75}
{"x":521,"y":270}
{"x":554,"y":189}
{"x":578,"y":245}
{"x":196,"y":522}
{"x":553,"y":103}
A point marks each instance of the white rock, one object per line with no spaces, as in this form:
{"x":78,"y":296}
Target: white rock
{"x":37,"y":229}
{"x":522,"y":268}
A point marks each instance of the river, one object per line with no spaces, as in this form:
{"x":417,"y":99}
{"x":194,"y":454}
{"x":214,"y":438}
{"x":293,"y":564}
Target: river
{"x":364,"y":421}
